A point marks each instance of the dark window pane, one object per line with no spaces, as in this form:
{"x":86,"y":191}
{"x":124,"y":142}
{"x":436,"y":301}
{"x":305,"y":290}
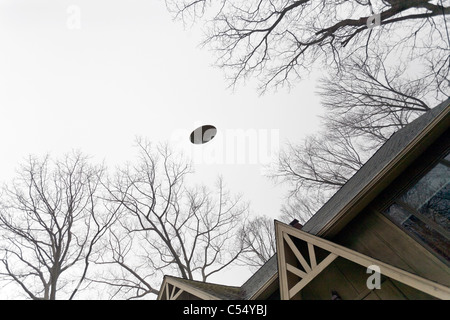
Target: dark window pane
{"x":438,"y":208}
{"x":424,"y":210}
{"x":422,"y":231}
{"x":396,"y":213}
{"x":427,"y":187}
{"x":429,"y":236}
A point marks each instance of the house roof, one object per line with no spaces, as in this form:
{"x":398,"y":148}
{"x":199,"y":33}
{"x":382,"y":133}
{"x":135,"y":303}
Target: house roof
{"x":377,"y":167}
{"x":215,"y":290}
{"x":262,"y":276}
{"x":385,"y":155}
{"x":357,"y":187}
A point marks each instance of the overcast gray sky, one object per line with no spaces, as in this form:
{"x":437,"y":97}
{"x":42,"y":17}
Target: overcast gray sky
{"x":125,"y":70}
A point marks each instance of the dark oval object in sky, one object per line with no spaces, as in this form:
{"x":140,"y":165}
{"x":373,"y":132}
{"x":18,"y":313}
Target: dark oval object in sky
{"x":203,"y":134}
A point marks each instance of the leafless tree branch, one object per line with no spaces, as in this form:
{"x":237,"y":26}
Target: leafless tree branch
{"x":50,"y":223}
{"x":168,"y":227}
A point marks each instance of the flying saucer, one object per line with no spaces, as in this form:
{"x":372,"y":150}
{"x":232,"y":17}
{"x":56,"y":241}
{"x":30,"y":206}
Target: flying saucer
{"x":203,"y":134}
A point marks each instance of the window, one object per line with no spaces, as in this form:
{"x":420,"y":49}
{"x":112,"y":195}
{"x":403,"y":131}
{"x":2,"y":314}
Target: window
{"x":424,"y":210}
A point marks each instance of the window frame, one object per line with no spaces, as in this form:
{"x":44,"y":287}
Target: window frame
{"x":422,"y":165}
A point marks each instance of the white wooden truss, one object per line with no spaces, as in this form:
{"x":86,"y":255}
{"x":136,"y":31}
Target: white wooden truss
{"x":287,"y":266}
{"x":171,"y":289}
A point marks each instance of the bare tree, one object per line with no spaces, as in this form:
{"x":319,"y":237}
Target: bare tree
{"x":386,"y":62}
{"x":367,"y":94}
{"x":365,"y":103}
{"x":259,"y":240}
{"x":315,"y":169}
{"x":192,"y":232}
{"x":281,"y":40}
{"x":372,"y":101}
{"x":50,"y":223}
{"x":258,"y":234}
{"x":303,"y":205}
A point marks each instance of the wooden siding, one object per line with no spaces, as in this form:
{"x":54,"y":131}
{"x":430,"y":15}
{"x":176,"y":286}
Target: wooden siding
{"x":335,"y":274}
{"x":376,"y":236}
{"x":348,"y":279}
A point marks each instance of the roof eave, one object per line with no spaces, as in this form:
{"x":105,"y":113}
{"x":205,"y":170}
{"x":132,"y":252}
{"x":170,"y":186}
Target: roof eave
{"x":391,"y":170}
